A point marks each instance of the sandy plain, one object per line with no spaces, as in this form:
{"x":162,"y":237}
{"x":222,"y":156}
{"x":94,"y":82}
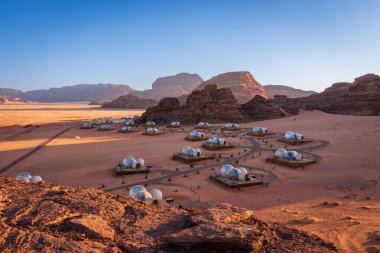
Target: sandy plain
{"x":338,"y":198}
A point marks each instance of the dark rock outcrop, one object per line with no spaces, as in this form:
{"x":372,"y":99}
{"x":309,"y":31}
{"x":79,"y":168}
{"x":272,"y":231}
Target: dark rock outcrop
{"x":260,"y":108}
{"x":130,"y":102}
{"x":290,"y":92}
{"x":242,"y":84}
{"x":362,"y":97}
{"x":210,"y":104}
{"x":46,"y":218}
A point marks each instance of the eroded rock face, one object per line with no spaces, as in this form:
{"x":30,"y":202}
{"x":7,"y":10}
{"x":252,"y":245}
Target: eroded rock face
{"x":171,"y":86}
{"x":210,"y":104}
{"x":42,"y":217}
{"x":260,"y":108}
{"x":290,"y":92}
{"x":242,"y":84}
{"x":362,"y":97}
{"x":130,"y":102}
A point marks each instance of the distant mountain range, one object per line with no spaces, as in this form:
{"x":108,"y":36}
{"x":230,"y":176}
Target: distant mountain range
{"x":242,"y":84}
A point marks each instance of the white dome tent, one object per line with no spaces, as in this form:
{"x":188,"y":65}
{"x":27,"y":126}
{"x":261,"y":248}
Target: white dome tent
{"x":217,"y":141}
{"x":140,"y":193}
{"x":129,"y":122}
{"x":28,"y":178}
{"x":104,"y":127}
{"x":196,"y":134}
{"x":234,"y":173}
{"x":259,"y":130}
{"x":175,"y":123}
{"x":87,"y":125}
{"x":131,"y":162}
{"x":191,"y":152}
{"x":150,"y":123}
{"x":282,"y":153}
{"x":152,"y":130}
{"x":231,"y":126}
{"x":290,"y":135}
{"x":203,"y":124}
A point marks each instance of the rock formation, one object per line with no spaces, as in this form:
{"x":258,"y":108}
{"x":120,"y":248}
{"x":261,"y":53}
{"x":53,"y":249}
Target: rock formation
{"x":11,"y":94}
{"x":3,"y":99}
{"x":80,"y":92}
{"x":290,"y":92}
{"x":242,"y":84}
{"x":171,"y":86}
{"x":46,"y":218}
{"x":130,"y":102}
{"x":260,"y":108}
{"x":362,"y":97}
{"x":210,"y":104}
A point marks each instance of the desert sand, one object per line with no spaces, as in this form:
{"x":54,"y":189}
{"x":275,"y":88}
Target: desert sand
{"x":337,"y":199}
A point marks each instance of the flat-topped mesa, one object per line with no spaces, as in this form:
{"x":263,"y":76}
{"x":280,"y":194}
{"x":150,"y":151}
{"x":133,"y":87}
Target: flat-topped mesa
{"x":63,"y":219}
{"x":242,"y":84}
{"x":210,"y":104}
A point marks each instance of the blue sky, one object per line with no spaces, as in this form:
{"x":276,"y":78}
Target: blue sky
{"x":307,"y":44}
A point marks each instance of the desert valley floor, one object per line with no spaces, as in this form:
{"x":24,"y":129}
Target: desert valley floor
{"x":337,"y":199}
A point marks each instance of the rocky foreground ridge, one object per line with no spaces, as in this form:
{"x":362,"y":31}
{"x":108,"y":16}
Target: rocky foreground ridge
{"x":46,"y":218}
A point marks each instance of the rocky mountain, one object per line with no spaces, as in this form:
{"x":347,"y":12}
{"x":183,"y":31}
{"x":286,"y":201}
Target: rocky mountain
{"x":288,"y":91}
{"x":46,"y":218}
{"x":209,"y":104}
{"x":3,"y":99}
{"x":171,"y":86}
{"x":130,"y":102}
{"x":213,"y":105}
{"x":362,"y":97}
{"x":11,"y":94}
{"x":80,"y":92}
{"x":242,"y":84}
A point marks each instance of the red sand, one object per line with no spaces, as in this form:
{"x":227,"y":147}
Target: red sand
{"x":347,"y":175}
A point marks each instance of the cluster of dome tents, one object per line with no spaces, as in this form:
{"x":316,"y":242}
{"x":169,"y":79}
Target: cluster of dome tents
{"x":28,"y":178}
{"x":140,"y":193}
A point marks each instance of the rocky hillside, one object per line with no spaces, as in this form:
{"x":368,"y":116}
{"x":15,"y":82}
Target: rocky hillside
{"x":362,"y":97}
{"x":210,"y":104}
{"x":3,"y":99}
{"x":130,"y":102}
{"x":260,"y":108}
{"x":171,"y":86}
{"x":288,"y":91}
{"x":242,"y":84}
{"x":46,"y":218}
{"x":213,"y":105}
{"x":11,"y":94}
{"x":80,"y":92}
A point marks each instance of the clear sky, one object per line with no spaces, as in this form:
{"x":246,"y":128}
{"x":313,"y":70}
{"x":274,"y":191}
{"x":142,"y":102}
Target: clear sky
{"x":307,"y":44}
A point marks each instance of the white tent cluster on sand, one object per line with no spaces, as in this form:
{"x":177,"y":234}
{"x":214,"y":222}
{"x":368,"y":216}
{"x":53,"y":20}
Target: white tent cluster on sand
{"x":234,"y":173}
{"x":290,"y":135}
{"x":191,"y":152}
{"x":258,"y":130}
{"x":131,"y":162}
{"x":282,"y":153}
{"x":28,"y":178}
{"x":196,"y":134}
{"x":139,"y":192}
{"x":216,"y":141}
{"x":232,"y":126}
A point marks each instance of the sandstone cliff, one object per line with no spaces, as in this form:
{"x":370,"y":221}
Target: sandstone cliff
{"x":171,"y":86}
{"x":260,"y":108}
{"x":362,"y":97}
{"x":130,"y":102}
{"x":242,"y":84}
{"x":210,"y":104}
{"x":46,"y":218}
